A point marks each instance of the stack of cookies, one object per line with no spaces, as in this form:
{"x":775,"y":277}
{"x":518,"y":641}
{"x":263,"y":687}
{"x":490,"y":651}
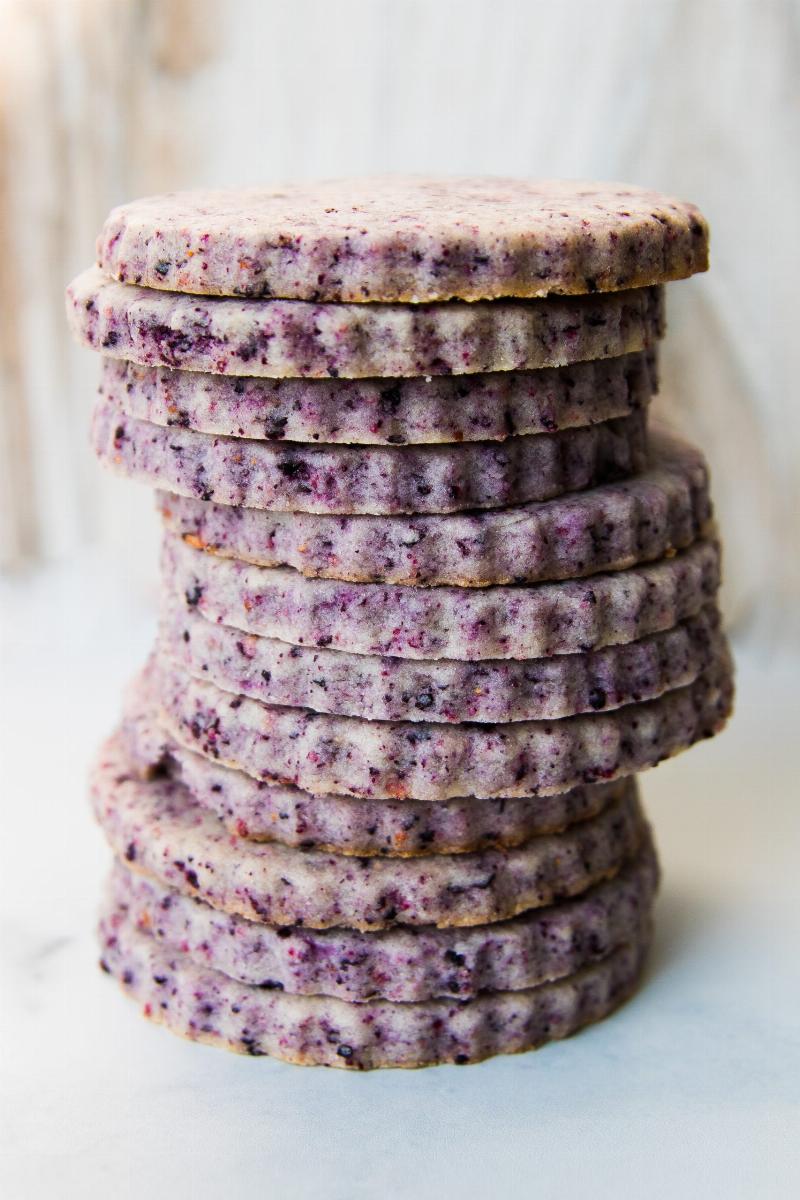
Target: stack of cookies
{"x":432,"y":596}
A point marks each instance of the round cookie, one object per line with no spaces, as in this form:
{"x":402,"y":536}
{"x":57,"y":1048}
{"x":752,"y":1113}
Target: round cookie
{"x":204,"y":1005}
{"x":404,"y":964}
{"x":566,"y":617}
{"x":424,"y":761}
{"x":606,"y":528}
{"x":277,"y":476}
{"x":259,"y":811}
{"x":406,"y":238}
{"x":158,"y":829}
{"x":385,"y":412}
{"x":296,"y":338}
{"x":383,"y":688}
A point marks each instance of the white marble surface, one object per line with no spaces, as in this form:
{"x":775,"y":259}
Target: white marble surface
{"x":692,"y":1090}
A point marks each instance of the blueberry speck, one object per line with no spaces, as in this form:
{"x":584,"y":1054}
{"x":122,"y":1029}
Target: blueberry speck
{"x":292,"y":469}
{"x":391,"y":398}
{"x":455,"y":958}
{"x":597,"y":698}
{"x":344,"y":1051}
{"x":162,"y":268}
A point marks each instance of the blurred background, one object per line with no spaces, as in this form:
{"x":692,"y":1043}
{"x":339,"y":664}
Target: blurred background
{"x":105,"y":100}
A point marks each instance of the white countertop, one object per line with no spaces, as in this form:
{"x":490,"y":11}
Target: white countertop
{"x":692,"y":1090}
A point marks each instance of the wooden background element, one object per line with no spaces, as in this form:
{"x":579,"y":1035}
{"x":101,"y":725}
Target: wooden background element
{"x":101,"y":100}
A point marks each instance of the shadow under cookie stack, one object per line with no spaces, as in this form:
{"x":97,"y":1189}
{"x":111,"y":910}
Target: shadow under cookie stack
{"x":432,"y":596}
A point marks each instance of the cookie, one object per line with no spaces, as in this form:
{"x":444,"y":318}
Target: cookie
{"x":158,"y":829}
{"x":382,"y":688}
{"x":293,"y":338}
{"x":403,"y":964}
{"x":608,"y":527}
{"x":255,"y":810}
{"x":418,"y":411}
{"x":472,"y":624}
{"x":259,"y":811}
{"x":382,"y":480}
{"x":424,"y":761}
{"x":205,"y":1005}
{"x":407,"y":238}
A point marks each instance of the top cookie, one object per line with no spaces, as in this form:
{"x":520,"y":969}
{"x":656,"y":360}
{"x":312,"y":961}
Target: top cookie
{"x":406,"y":238}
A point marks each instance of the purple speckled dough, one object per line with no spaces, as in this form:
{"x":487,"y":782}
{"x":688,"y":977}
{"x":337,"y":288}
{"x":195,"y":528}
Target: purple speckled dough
{"x":430,"y":409}
{"x":423,"y":761}
{"x":158,"y":829}
{"x":608,"y":527}
{"x":261,"y":811}
{"x":296,"y":338}
{"x":404,"y":964}
{"x":382,"y":688}
{"x":407,"y":238}
{"x":381,"y":480}
{"x":206,"y":1006}
{"x":446,"y":622}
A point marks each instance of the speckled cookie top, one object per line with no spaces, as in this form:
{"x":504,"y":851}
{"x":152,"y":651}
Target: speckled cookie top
{"x":298,"y":338}
{"x":405,"y":238}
